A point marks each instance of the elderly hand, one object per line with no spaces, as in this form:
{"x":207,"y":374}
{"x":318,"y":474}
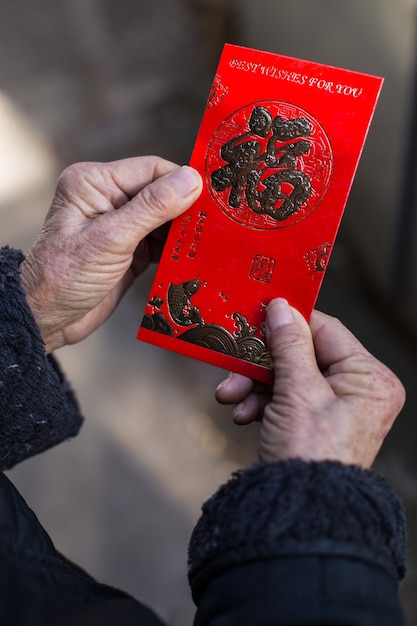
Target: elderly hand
{"x":104,"y":227}
{"x":331,"y":399}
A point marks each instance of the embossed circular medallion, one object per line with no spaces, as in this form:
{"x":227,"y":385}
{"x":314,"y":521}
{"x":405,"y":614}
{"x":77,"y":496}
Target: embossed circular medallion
{"x":269,"y":165}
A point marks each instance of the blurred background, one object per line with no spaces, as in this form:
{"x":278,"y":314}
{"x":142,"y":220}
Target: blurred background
{"x":101,"y":80}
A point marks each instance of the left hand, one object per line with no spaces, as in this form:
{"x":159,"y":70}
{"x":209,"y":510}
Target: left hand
{"x":104,"y":227}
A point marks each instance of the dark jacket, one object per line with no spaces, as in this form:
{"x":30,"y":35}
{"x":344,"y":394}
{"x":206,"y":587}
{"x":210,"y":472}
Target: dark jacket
{"x":280,"y":543}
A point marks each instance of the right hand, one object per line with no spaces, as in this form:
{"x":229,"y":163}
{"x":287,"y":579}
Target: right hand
{"x":330,"y":400}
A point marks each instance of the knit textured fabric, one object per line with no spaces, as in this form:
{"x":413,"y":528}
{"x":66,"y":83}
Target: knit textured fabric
{"x":37,"y":407}
{"x":292,"y":507}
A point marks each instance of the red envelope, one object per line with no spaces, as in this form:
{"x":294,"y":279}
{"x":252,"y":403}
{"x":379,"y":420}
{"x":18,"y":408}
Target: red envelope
{"x":278,"y":148}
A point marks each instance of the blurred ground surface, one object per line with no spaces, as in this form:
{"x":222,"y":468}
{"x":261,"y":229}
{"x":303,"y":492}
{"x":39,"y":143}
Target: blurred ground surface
{"x":100,"y":80}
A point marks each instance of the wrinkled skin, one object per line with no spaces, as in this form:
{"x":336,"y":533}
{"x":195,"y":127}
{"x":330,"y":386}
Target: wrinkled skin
{"x":107,"y":222}
{"x":331,"y":399}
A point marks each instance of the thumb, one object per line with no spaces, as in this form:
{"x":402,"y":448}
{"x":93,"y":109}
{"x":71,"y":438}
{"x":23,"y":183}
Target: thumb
{"x":290,"y":344}
{"x":162,"y":200}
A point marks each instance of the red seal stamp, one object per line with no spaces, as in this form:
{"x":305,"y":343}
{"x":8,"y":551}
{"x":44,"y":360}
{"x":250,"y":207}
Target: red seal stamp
{"x":269,"y":165}
{"x":262,"y":268}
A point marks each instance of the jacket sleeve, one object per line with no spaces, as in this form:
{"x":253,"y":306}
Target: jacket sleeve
{"x":39,"y":586}
{"x":299,"y":543}
{"x":37,"y":406}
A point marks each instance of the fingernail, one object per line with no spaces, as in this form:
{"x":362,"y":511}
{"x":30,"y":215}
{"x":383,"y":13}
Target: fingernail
{"x":278,"y":314}
{"x":186,"y":179}
{"x":225,"y":382}
{"x":238,"y":410}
